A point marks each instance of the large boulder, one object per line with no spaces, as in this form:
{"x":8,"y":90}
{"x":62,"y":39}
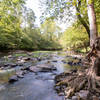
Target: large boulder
{"x":42,"y":68}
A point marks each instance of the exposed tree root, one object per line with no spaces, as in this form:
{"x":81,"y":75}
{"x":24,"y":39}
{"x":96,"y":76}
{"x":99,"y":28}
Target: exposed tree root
{"x":74,"y":83}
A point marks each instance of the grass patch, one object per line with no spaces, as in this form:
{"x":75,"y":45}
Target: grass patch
{"x":20,"y":54}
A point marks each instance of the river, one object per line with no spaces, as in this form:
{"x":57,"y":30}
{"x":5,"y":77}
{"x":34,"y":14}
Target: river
{"x":36,"y":86}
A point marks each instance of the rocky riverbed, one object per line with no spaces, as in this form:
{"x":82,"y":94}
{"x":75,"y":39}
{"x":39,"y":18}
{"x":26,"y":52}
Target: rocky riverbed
{"x":31,"y":75}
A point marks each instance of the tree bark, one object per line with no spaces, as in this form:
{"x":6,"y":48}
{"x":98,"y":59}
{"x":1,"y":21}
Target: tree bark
{"x":81,"y":19}
{"x":89,"y":79}
{"x":92,"y":21}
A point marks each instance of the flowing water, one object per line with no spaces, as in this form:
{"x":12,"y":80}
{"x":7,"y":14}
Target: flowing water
{"x":34,"y":86}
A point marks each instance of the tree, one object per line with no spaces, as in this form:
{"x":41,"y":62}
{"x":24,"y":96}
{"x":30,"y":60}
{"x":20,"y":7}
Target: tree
{"x":92,"y":21}
{"x":75,"y":39}
{"x":49,"y":29}
{"x":80,"y":18}
{"x":50,"y":32}
{"x":93,"y":72}
{"x":65,"y":10}
{"x":10,"y":23}
{"x":89,"y":79}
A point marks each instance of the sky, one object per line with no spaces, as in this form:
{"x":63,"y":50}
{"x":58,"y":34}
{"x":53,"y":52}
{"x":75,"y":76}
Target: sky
{"x":34,"y":5}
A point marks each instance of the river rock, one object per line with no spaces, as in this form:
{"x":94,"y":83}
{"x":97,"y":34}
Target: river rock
{"x":25,"y":72}
{"x":2,"y":87}
{"x":64,"y":61}
{"x":70,"y":63}
{"x":84,"y":94}
{"x":6,"y":65}
{"x":34,"y":69}
{"x":39,"y":59}
{"x":47,"y":68}
{"x":20,"y":74}
{"x":9,"y":56}
{"x":26,"y":58}
{"x":26,"y":68}
{"x":13,"y":65}
{"x":13,"y":79}
{"x":54,"y":61}
{"x":73,"y":70}
{"x":95,"y":98}
{"x":74,"y":98}
{"x":42,"y":68}
{"x":61,"y":94}
{"x":57,"y":88}
{"x":1,"y":68}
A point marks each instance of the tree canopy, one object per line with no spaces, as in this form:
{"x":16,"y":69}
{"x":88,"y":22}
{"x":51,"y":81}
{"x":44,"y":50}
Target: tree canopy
{"x":18,"y":29}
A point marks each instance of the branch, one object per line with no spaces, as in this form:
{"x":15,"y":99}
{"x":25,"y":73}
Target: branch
{"x":81,"y":19}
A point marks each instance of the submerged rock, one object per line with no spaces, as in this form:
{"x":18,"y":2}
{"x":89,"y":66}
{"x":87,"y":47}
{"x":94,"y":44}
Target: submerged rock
{"x":2,"y":87}
{"x":54,"y":61}
{"x":64,"y":61}
{"x":70,"y":63}
{"x":26,"y":68}
{"x":13,"y":79}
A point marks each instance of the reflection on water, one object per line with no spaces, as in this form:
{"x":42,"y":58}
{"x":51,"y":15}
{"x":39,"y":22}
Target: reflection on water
{"x":30,"y":88}
{"x":35,"y":86}
{"x":6,"y":74}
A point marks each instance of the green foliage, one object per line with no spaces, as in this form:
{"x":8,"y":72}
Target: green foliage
{"x":18,"y":31}
{"x":10,"y":31}
{"x":50,"y":32}
{"x":75,"y":38}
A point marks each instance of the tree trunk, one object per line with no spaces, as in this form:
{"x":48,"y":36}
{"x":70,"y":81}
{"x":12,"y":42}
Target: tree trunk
{"x":83,"y":22}
{"x":92,"y":21}
{"x":86,"y":79}
{"x":93,"y":71}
